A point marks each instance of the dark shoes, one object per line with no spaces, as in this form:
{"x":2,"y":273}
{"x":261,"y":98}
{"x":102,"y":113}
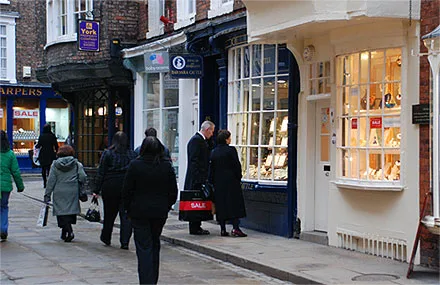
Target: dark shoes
{"x":224,"y":233}
{"x":124,"y":246}
{"x":238,"y":233}
{"x":199,"y":232}
{"x":4,"y":236}
{"x":106,"y":242}
{"x":63,"y":235}
{"x":69,"y":237}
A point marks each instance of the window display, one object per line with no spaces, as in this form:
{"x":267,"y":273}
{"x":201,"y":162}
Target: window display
{"x":258,"y":110}
{"x":369,"y":92}
{"x":26,"y":124}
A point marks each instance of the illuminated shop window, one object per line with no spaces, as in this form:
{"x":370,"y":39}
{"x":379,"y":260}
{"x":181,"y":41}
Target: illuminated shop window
{"x":258,"y":109}
{"x":369,"y":97}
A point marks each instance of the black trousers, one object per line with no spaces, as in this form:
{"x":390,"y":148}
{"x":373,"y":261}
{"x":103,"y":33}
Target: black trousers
{"x":113,"y":206}
{"x":45,"y":173}
{"x":235,"y":222}
{"x":194,"y":226}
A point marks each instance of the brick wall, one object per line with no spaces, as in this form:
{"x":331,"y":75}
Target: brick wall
{"x":429,"y":244}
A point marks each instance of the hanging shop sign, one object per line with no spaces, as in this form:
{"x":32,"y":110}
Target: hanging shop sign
{"x":421,"y":114}
{"x":88,"y":35}
{"x":26,"y":114}
{"x":186,"y":66}
{"x":156,"y":62}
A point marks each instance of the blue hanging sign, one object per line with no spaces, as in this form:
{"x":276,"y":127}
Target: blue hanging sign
{"x":88,"y":35}
{"x":186,"y":66}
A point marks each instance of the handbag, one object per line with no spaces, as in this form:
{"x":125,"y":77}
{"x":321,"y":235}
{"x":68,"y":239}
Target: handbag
{"x":42,"y":217}
{"x":93,"y":214}
{"x":82,"y":194}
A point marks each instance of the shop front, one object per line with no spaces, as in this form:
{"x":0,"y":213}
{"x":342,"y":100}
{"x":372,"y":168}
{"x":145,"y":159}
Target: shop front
{"x":24,"y":110}
{"x":357,"y":177}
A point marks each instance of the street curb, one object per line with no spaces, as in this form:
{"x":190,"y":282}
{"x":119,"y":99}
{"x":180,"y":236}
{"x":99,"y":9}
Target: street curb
{"x":242,"y":262}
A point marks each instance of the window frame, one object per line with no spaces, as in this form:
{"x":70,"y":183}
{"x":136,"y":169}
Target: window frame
{"x":8,"y":20}
{"x":184,"y":17}
{"x":219,"y":7}
{"x":155,"y":26}
{"x":344,"y":142}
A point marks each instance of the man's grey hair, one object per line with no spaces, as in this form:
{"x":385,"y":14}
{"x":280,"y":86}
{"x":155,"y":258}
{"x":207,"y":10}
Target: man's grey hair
{"x":207,"y":125}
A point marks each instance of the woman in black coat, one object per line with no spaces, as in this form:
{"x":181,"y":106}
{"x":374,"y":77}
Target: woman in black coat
{"x":150,"y":189}
{"x":225,"y":175}
{"x":48,"y":145}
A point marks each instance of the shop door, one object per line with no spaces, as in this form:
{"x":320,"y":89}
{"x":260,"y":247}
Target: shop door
{"x":322,"y":171}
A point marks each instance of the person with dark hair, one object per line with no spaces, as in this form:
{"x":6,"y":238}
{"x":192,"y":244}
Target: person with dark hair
{"x":65,"y":175}
{"x":109,"y":179}
{"x":197,"y":169}
{"x":149,"y":192}
{"x":152,"y":132}
{"x":8,"y":168}
{"x":225,"y":175}
{"x":48,"y":145}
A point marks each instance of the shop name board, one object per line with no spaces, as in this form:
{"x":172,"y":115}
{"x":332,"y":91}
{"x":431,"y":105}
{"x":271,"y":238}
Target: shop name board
{"x":186,"y":66}
{"x":27,"y":91}
{"x":88,"y":35}
{"x":421,"y":114}
{"x":26,"y":114}
{"x":156,"y":61}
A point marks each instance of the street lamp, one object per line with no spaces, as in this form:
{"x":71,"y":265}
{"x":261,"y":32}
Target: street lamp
{"x":432,"y":43}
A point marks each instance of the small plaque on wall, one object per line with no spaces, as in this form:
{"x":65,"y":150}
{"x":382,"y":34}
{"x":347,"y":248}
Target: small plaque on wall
{"x":421,"y":114}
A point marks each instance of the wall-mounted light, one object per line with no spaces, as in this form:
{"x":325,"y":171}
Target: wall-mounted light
{"x":88,"y":112}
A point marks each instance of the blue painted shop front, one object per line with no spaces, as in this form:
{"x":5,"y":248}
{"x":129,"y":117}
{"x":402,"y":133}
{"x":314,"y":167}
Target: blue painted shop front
{"x":25,"y":109}
{"x":270,"y":207}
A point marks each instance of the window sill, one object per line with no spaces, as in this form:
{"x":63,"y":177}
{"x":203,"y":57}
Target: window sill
{"x":155,"y":32}
{"x":224,"y":9}
{"x":319,"y":97}
{"x":4,"y":2}
{"x":368,"y":185}
{"x":64,"y":39}
{"x":181,"y":23}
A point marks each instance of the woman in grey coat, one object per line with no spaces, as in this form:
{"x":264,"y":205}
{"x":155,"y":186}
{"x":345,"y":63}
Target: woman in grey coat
{"x":65,"y":174}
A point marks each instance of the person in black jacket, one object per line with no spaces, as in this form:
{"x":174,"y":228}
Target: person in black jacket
{"x":225,"y":175}
{"x":48,"y":145}
{"x":152,"y":132}
{"x":197,"y":170}
{"x":109,"y":180}
{"x":149,"y":192}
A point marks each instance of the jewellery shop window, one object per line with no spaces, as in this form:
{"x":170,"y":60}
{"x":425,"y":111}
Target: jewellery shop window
{"x":25,"y":126}
{"x":258,"y":109}
{"x":369,"y":92}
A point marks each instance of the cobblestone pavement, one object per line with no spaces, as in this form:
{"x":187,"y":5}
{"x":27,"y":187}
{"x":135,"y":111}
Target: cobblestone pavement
{"x":34,"y":255}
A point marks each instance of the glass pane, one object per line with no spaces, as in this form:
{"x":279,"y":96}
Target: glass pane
{"x":283,"y":59}
{"x":327,"y":69}
{"x":344,"y":159}
{"x":375,"y":168}
{"x":268,"y":128}
{"x":391,"y":136}
{"x":244,"y":124}
{"x":363,"y":170}
{"x":283,"y":93}
{"x":375,"y":137}
{"x":392,"y":167}
{"x":255,"y":127}
{"x":256,"y":60}
{"x":345,"y":131}
{"x":269,"y":94}
{"x":267,"y":159}
{"x":253,"y":163}
{"x":364,"y":66}
{"x":237,"y":97}
{"x":393,"y":64}
{"x":235,"y":130}
{"x":152,"y":96}
{"x":269,"y":59}
{"x":233,"y":69}
{"x":281,"y":129}
{"x":245,"y":85}
{"x":375,"y":99}
{"x":256,"y":94}
{"x":377,"y":66}
{"x":325,"y":147}
{"x":325,"y":120}
{"x":355,"y":92}
{"x":238,"y":63}
{"x":328,"y":87}
{"x":246,"y":62}
{"x":353,"y":160}
{"x":242,"y":152}
{"x":362,"y":126}
{"x":280,"y":164}
{"x":151,"y":119}
{"x":171,"y":91}
{"x":170,"y":136}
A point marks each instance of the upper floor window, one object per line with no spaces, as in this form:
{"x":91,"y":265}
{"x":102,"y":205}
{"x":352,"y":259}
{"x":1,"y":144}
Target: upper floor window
{"x":63,"y":16}
{"x":7,"y":47}
{"x":156,"y":8}
{"x":4,"y":2}
{"x":3,"y":50}
{"x":220,"y":7}
{"x":369,"y":108}
{"x":186,"y":13}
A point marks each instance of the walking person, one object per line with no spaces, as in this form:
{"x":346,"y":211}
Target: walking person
{"x":8,"y":168}
{"x":197,"y":169}
{"x":150,"y":190}
{"x":109,"y":181}
{"x":152,"y":132}
{"x":48,"y":145}
{"x":66,"y":172}
{"x":225,"y":175}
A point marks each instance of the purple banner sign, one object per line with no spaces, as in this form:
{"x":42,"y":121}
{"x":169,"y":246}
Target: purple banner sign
{"x":88,"y":35}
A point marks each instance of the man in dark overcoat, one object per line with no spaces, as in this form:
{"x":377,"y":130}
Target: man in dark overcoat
{"x":197,"y":170}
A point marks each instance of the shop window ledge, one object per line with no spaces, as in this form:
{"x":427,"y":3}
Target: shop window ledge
{"x":368,"y":186}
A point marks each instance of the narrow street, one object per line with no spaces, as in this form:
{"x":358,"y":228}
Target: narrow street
{"x":34,"y":255}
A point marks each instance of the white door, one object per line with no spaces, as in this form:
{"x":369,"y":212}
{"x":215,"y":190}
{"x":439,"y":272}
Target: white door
{"x":322,"y":168}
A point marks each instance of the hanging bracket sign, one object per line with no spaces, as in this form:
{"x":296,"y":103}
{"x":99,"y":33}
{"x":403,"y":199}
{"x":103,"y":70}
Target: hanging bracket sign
{"x":88,"y":35}
{"x":186,"y":66}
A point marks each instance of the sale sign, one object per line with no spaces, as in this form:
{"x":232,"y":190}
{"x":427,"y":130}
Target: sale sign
{"x":354,"y":124}
{"x":26,"y":114}
{"x":375,"y":123}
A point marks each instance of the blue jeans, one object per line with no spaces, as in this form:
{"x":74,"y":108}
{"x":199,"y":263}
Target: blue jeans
{"x":147,"y":240}
{"x":4,"y":212}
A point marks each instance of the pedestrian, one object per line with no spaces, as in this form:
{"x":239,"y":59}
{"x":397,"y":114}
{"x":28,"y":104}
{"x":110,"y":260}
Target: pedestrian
{"x":109,"y":181}
{"x":63,"y":187}
{"x":8,"y":168}
{"x":197,"y":169}
{"x":150,"y":190}
{"x":48,"y":145}
{"x":152,"y":132}
{"x":225,"y":175}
